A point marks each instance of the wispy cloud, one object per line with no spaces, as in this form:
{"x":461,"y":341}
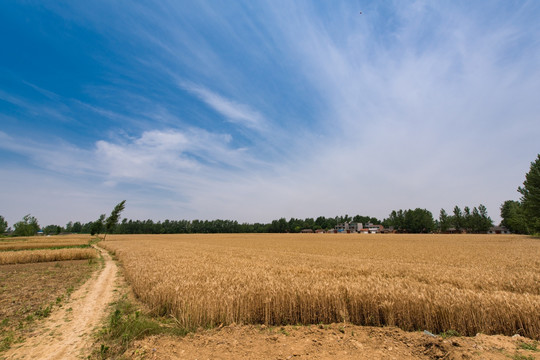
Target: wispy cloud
{"x":233,"y":111}
{"x":49,"y":153}
{"x":169,"y":156}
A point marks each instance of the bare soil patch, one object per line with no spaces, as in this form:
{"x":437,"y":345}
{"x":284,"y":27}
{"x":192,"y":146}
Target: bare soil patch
{"x":335,"y":341}
{"x":29,"y":292}
{"x":67,"y":333}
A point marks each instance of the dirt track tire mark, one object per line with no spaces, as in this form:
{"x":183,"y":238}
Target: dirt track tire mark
{"x":67,"y":333}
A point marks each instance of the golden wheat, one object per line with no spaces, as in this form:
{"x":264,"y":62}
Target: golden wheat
{"x":467,"y":283}
{"x":27,"y":246}
{"x":39,"y":242}
{"x":33,"y":256}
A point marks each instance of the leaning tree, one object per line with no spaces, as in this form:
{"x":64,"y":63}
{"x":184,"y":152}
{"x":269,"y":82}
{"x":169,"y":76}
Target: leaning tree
{"x":112,"y":220}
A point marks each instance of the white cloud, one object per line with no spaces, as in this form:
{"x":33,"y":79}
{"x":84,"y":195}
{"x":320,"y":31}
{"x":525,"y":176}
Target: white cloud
{"x":169,"y":159}
{"x":139,"y":159}
{"x":235,"y":112}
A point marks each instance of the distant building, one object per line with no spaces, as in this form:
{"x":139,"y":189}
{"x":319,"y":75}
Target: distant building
{"x":498,"y":230}
{"x":374,"y":229}
{"x":307,"y":231}
{"x":453,"y":230}
{"x":348,"y":227}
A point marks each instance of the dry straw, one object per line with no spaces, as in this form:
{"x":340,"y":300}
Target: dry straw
{"x":42,"y":245}
{"x":466,"y":283}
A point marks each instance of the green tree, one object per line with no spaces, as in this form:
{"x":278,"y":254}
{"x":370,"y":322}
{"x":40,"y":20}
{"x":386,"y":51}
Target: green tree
{"x":27,"y":227}
{"x":97,"y":226}
{"x":3,"y":225}
{"x":513,"y":217}
{"x":366,"y":220}
{"x":395,"y":219}
{"x":52,"y":230}
{"x":530,"y":197}
{"x":278,"y":226}
{"x":486,"y":221}
{"x":475,"y":222}
{"x":467,"y":219}
{"x":457,"y":219}
{"x":321,"y":222}
{"x":77,"y":227}
{"x":112,"y":220}
{"x":444,"y":221}
{"x":419,"y":221}
{"x":412,"y":221}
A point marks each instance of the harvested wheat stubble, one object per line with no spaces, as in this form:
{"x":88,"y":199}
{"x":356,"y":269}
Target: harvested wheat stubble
{"x":467,"y":283}
{"x":40,"y":242}
{"x":33,"y":256}
{"x":24,"y":246}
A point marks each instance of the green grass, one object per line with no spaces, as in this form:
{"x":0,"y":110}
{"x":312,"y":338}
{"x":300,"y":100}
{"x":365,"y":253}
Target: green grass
{"x":449,"y":333}
{"x":529,"y":346}
{"x":284,"y":331}
{"x":6,"y":340}
{"x":126,"y":324}
{"x":95,"y":240}
{"x":522,"y":357}
{"x":44,"y":312}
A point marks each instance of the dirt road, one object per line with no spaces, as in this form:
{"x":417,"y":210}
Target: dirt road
{"x":67,"y":333}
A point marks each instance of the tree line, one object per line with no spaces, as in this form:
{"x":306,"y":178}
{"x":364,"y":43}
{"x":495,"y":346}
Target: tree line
{"x":282,"y":225}
{"x":409,"y":221}
{"x":475,"y":221}
{"x":422,"y":221}
{"x":29,"y":226}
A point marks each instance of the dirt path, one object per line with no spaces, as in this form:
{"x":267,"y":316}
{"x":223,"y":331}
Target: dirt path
{"x":67,"y":333}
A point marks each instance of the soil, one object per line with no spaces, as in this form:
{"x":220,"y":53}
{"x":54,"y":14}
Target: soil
{"x":67,"y":333}
{"x":25,"y":288}
{"x":29,"y":292}
{"x":335,"y":341}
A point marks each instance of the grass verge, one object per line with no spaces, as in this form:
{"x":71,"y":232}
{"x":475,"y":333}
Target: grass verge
{"x":126,"y":323}
{"x":533,"y":346}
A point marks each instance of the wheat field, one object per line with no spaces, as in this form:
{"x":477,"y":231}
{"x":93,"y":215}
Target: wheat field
{"x":466,"y":283}
{"x":42,"y":255}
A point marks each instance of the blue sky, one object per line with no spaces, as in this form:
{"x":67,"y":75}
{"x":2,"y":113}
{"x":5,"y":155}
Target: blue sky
{"x":255,"y":110}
